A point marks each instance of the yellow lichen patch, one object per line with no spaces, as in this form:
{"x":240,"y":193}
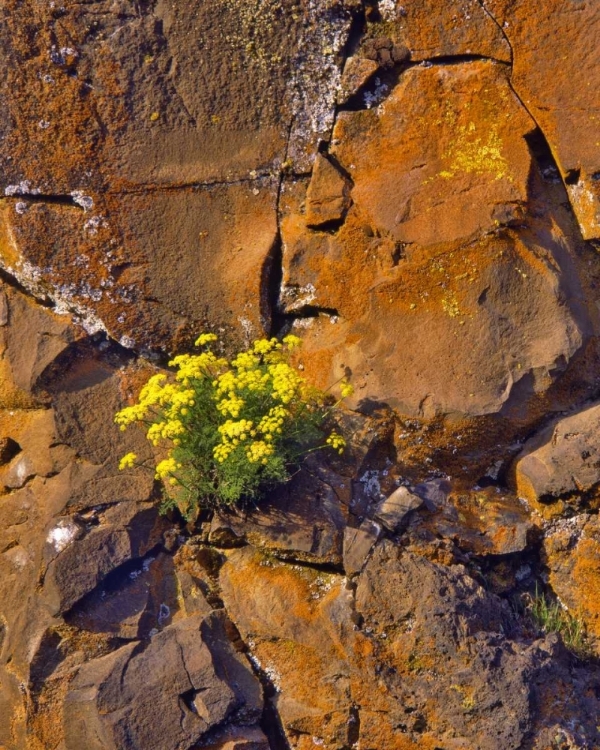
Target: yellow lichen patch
{"x":475,"y":150}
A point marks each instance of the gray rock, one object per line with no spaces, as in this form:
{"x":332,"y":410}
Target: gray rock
{"x":394,"y":509}
{"x":303,"y":519}
{"x":434,"y":492}
{"x":187,"y":680}
{"x":77,"y":565}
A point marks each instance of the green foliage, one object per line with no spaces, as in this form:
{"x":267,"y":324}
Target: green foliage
{"x":228,"y":430}
{"x":552,"y":617}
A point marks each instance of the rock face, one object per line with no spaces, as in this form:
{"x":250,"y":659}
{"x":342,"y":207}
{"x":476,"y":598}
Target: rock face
{"x":413,"y":187}
{"x":360,"y":668}
{"x":562,"y":462}
{"x":119,"y":700}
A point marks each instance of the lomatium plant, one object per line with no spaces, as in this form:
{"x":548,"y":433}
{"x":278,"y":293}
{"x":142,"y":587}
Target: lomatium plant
{"x":228,"y":430}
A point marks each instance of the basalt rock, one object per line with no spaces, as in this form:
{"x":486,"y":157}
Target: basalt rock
{"x":119,"y":700}
{"x":413,"y":188}
{"x":560,"y":466}
{"x":361,"y":667}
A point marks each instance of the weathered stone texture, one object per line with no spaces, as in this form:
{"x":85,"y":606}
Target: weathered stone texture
{"x":120,"y":700}
{"x":413,"y":187}
{"x":558,"y":42}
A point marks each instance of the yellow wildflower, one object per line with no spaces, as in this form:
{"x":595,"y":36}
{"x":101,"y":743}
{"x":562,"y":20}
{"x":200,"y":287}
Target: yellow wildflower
{"x":337,"y":442}
{"x":291,"y":341}
{"x":346,"y":389}
{"x":128,"y":461}
{"x":205,"y":338}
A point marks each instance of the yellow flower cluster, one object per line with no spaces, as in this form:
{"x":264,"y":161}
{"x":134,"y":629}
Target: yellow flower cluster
{"x":128,"y":461}
{"x":172,"y":429}
{"x":272,"y":423}
{"x":265,"y":346}
{"x":232,"y":434}
{"x":205,"y":338}
{"x":166,"y":468}
{"x":291,"y":341}
{"x":259,"y":451}
{"x":337,"y":442}
{"x":231,"y":405}
{"x":257,"y":411}
{"x":196,"y":366}
{"x":286,"y":383}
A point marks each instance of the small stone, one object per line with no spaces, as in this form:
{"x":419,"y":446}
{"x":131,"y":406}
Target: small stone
{"x":357,"y":72}
{"x":394,"y":509}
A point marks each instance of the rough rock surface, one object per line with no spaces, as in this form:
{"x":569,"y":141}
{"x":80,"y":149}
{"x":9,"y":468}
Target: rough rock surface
{"x":362,"y":668}
{"x":572,"y":555}
{"x":414,"y":188}
{"x":562,"y":462}
{"x":120,"y":700}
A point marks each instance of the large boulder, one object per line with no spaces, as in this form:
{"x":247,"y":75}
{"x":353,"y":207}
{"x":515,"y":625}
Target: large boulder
{"x":418,"y":655}
{"x":443,"y":259}
{"x":560,"y":465}
{"x":130,"y":698}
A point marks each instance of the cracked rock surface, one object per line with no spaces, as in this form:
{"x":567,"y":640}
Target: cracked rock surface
{"x":412,"y":187}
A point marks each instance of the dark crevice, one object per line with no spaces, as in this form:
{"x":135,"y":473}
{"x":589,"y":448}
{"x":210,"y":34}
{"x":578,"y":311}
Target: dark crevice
{"x":320,"y":567}
{"x":312,"y":311}
{"x":139,"y":189}
{"x":14,"y":283}
{"x":333,"y":160}
{"x":60,"y":200}
{"x":542,"y":154}
{"x":358,"y":26}
{"x":270,"y":721}
{"x":572,"y":176}
{"x":143,"y":189}
{"x":272,"y":280}
{"x":430,"y":62}
{"x":354,"y":726}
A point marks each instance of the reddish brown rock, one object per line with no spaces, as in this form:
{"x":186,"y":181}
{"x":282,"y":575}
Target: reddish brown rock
{"x":443,"y":264}
{"x":328,"y":194}
{"x":488,"y":521}
{"x":421,"y":656}
{"x":560,"y":465}
{"x":225,"y":235}
{"x":543,"y":43}
{"x":572,"y":555}
{"x":114,"y":121}
{"x":430,"y":29}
